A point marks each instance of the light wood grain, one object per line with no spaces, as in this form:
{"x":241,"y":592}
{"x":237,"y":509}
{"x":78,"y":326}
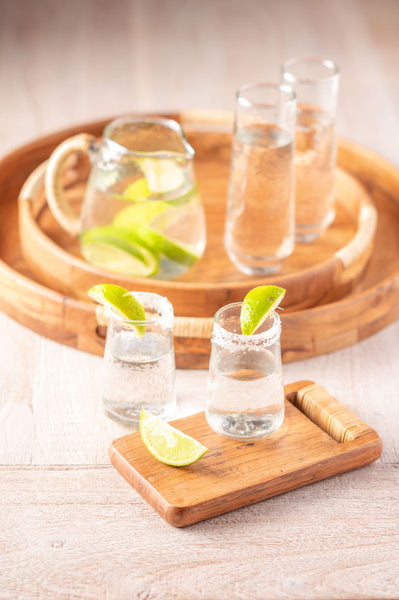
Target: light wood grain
{"x":369,"y":298}
{"x":54,"y":260}
{"x":82,"y":532}
{"x":54,"y":544}
{"x":315,"y":273}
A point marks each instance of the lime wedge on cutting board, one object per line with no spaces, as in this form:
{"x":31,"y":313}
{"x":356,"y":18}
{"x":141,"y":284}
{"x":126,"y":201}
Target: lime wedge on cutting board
{"x":168,"y":444}
{"x":257,"y":304}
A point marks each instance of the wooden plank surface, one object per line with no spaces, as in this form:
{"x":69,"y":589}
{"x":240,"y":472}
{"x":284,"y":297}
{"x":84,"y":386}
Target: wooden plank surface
{"x":70,"y":527}
{"x":90,"y":535}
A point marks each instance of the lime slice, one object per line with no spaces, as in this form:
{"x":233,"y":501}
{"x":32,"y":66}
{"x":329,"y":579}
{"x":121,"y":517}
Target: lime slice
{"x":257,"y":304}
{"x":137,"y":191}
{"x":118,"y":250}
{"x":122,"y":300}
{"x":167,"y":444}
{"x":184,"y":198}
{"x":142,"y":212}
{"x":160,"y":243}
{"x":163,"y":174}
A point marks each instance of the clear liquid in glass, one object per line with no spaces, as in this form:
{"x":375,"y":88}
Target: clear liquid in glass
{"x":245,"y":393}
{"x":259,"y":233}
{"x":314,"y":172}
{"x":247,"y":414}
{"x":139,"y":363}
{"x":138,"y":374}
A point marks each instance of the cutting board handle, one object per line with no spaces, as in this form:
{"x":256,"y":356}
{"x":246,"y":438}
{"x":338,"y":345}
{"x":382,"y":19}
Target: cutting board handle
{"x":338,"y":421}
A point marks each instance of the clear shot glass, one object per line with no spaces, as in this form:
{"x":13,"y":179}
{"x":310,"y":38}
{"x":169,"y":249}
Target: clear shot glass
{"x":260,"y":221}
{"x":139,"y":368}
{"x":245,"y":394}
{"x":316,"y":85}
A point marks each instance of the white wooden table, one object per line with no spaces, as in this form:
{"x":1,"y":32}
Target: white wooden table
{"x":70,"y":526}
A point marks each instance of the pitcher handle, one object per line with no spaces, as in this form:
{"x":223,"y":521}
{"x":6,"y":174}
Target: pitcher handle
{"x":56,"y":198}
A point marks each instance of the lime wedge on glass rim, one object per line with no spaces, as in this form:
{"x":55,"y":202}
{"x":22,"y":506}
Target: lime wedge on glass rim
{"x":122,"y":300}
{"x":168,"y":444}
{"x":257,"y":305}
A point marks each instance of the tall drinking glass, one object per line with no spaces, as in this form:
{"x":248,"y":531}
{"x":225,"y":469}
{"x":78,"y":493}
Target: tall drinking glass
{"x":139,"y":363}
{"x":316,"y":85}
{"x":259,"y":228}
{"x":245,"y":394}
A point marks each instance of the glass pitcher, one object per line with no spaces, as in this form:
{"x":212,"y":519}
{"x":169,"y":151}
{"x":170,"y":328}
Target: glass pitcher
{"x":141,"y":213}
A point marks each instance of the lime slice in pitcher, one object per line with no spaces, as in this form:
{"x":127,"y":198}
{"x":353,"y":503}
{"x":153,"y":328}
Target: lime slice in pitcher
{"x":168,"y":444}
{"x":142,"y":212}
{"x":257,"y":304}
{"x":118,"y":250}
{"x":164,"y":245}
{"x":122,"y":300}
{"x":137,"y":191}
{"x":162,"y":174}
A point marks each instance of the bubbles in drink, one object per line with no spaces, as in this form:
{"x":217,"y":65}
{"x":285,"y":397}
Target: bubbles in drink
{"x":260,"y":221}
{"x":314,"y":172}
{"x":245,"y":403}
{"x":245,"y":394}
{"x":138,"y":373}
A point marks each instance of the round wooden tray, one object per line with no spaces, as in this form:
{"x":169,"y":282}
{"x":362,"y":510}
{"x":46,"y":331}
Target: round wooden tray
{"x":314,"y":274}
{"x":370,"y":305}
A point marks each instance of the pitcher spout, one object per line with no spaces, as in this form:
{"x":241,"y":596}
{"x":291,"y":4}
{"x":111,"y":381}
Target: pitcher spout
{"x":149,"y":136}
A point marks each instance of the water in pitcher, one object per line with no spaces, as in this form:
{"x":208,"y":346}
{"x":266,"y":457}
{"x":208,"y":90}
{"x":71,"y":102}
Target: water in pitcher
{"x":314,"y":172}
{"x":142,"y":214}
{"x":259,"y":232}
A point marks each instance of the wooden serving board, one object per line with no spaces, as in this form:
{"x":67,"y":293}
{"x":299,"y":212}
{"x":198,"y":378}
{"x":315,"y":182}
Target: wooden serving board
{"x":368,"y":305}
{"x":319,"y":438}
{"x":314,"y":274}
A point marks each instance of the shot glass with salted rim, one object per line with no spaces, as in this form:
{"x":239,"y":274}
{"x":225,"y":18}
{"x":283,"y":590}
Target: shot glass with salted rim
{"x":139,"y":363}
{"x":245,"y":394}
{"x":315,"y":82}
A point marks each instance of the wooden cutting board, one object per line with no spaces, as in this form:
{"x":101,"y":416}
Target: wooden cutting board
{"x":319,"y":438}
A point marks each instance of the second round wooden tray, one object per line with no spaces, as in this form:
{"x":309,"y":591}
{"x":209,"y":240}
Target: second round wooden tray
{"x":315,"y":274}
{"x":370,"y":306}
